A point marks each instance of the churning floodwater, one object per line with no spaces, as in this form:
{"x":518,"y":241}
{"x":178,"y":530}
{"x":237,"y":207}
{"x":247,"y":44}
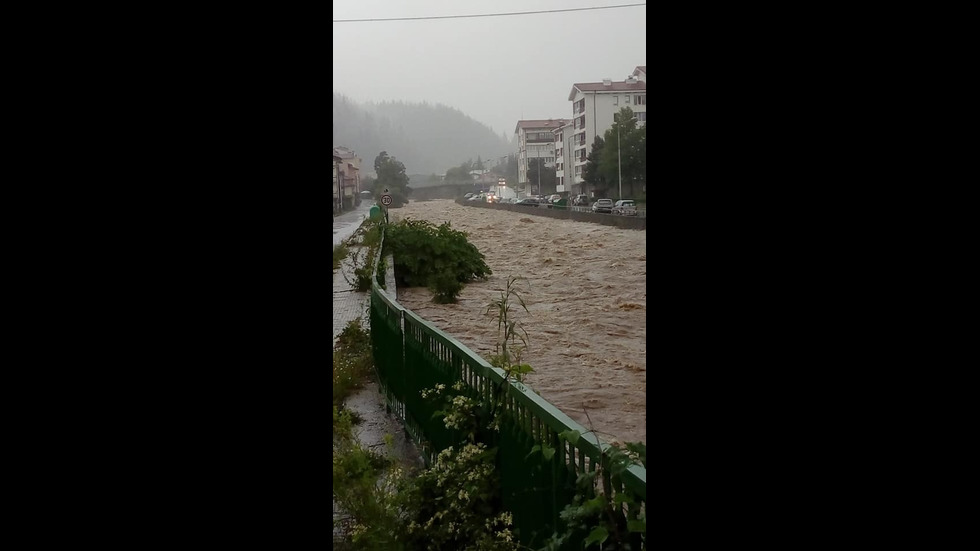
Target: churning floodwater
{"x":586,"y":296}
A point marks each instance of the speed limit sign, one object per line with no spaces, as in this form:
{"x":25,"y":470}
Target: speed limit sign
{"x":386,"y":200}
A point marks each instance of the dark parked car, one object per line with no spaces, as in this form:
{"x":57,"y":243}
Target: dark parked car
{"x":602,"y":205}
{"x":527,"y":202}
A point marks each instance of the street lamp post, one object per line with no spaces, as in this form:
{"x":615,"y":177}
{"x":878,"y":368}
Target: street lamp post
{"x":619,"y":158}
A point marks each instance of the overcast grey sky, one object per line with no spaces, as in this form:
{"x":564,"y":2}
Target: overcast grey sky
{"x":495,"y":69}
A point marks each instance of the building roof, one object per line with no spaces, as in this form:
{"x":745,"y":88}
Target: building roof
{"x":344,"y":152}
{"x":564,"y":126}
{"x":540,"y":123}
{"x":640,"y":69}
{"x":613,"y":87}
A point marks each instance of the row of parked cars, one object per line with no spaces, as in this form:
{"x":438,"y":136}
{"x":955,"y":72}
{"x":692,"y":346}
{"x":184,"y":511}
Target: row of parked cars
{"x":625,"y":207}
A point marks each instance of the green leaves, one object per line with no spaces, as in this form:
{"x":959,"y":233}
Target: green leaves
{"x":571,"y":436}
{"x":547,"y":452}
{"x":432,"y":256}
{"x":534,"y":450}
{"x":598,"y":535}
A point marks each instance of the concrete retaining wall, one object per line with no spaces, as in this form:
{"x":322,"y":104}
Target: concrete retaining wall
{"x":627,"y":222}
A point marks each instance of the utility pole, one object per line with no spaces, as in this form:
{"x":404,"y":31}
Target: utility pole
{"x":619,"y":160}
{"x":538,"y":159}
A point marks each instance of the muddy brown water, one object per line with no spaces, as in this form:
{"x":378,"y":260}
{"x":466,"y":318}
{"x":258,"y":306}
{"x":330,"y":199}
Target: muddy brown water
{"x":586,"y":296}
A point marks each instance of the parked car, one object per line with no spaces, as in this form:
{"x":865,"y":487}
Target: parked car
{"x":602,"y":205}
{"x":625,"y":207}
{"x":528,"y":202}
{"x":580,"y":200}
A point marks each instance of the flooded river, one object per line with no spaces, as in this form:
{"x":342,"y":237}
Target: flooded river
{"x":586,"y":293}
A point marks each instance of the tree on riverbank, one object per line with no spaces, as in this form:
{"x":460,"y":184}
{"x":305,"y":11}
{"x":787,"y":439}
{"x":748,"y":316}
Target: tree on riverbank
{"x":625,"y":148}
{"x":391,"y":177}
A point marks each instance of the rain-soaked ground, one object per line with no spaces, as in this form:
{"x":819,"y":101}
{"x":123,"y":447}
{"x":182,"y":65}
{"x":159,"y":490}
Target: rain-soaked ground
{"x":586,"y":296}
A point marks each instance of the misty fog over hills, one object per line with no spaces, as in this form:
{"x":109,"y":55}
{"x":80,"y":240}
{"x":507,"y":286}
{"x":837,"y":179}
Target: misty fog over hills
{"x":427,"y":138}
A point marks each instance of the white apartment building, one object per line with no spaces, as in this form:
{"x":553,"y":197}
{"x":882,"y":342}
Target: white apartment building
{"x":564,"y":166}
{"x":593,"y":106}
{"x":535,"y":140}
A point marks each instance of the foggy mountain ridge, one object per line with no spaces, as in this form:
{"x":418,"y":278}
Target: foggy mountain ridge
{"x":427,"y":138}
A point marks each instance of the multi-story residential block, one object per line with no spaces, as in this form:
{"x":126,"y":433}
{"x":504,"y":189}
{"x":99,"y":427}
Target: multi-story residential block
{"x":535,"y":140}
{"x":337,"y":179}
{"x":348,"y":177}
{"x":640,"y":73}
{"x":564,"y":166}
{"x":593,"y":107}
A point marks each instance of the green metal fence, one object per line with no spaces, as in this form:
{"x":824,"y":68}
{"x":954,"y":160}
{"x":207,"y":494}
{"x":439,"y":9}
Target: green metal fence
{"x":411,"y":355}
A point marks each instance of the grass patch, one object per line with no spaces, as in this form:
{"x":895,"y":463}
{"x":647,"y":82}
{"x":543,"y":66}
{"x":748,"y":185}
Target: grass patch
{"x":340,"y":252}
{"x":352,"y":361}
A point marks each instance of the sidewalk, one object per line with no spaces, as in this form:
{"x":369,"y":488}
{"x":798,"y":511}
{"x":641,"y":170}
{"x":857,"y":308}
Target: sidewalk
{"x":345,"y":224}
{"x":368,"y":402}
{"x":348,"y":304}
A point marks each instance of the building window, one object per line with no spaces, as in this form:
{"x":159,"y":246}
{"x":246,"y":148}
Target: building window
{"x":615,"y":100}
{"x":626,"y":99}
{"x":641,"y":100}
{"x":641,"y":117}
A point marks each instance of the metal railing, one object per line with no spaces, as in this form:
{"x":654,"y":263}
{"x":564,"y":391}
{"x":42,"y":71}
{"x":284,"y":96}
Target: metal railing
{"x":411,"y":354}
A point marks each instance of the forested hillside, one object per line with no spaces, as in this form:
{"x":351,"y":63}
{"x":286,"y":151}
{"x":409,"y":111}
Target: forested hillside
{"x":427,"y":138}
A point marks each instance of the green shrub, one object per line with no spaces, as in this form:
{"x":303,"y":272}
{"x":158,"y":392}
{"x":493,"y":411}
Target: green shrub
{"x":455,"y":504}
{"x":445,"y":288}
{"x":372,"y":235}
{"x":352,"y":360}
{"x":437,"y":257}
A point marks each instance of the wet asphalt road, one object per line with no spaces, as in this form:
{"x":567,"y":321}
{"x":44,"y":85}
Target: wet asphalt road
{"x":345,"y":224}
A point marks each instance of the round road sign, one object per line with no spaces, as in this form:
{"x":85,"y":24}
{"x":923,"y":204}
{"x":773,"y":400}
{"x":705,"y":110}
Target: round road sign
{"x":386,"y":200}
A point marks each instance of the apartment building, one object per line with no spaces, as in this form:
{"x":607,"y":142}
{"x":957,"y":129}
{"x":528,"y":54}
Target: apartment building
{"x":593,"y":106}
{"x":347,"y":166}
{"x":535,"y":140}
{"x":337,"y":176}
{"x":564,"y":166}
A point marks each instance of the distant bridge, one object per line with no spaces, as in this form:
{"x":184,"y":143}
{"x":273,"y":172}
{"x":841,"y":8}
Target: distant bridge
{"x":448,"y":191}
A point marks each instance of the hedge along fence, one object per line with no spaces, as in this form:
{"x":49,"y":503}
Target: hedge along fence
{"x":411,"y":354}
{"x":626,"y":222}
